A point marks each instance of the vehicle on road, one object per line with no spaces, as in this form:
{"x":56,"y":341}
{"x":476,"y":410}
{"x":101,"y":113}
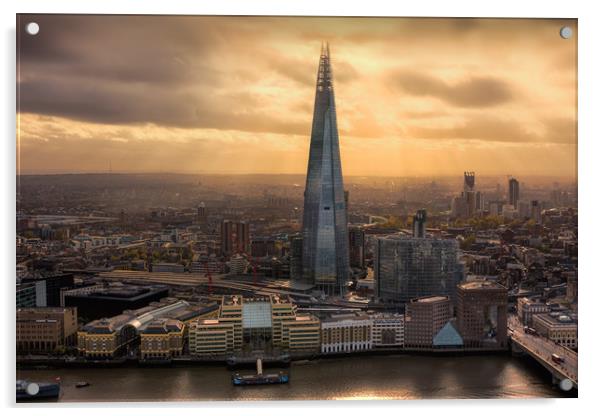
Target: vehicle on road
{"x":557,"y":358}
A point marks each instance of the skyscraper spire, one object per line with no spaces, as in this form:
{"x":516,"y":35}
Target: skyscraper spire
{"x":325,"y":239}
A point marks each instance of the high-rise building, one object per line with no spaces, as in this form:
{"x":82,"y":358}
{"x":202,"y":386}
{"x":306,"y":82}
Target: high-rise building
{"x":536,"y":211}
{"x":296,"y":263}
{"x":419,"y":224}
{"x":356,"y":247}
{"x":469,"y":202}
{"x":513,"y":194}
{"x":406,"y":268}
{"x":234,"y":237}
{"x":425,"y":316}
{"x":48,"y":288}
{"x":325,"y":239}
{"x":480,"y":201}
{"x":469,"y":180}
{"x":482,"y":314}
{"x":201,"y":213}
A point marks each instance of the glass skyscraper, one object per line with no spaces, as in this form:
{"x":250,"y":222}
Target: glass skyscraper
{"x":407,"y":267}
{"x":325,"y":240}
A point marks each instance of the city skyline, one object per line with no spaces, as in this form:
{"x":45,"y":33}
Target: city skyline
{"x":433,"y":108}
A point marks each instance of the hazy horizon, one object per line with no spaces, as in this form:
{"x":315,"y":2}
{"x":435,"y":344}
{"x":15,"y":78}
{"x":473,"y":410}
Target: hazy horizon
{"x":416,"y":97}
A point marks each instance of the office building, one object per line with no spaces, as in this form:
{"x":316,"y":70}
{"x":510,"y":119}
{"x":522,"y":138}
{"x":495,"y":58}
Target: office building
{"x":346,"y":333}
{"x":425,"y":316}
{"x":296,"y":255}
{"x":527,"y":308}
{"x":482,"y":314}
{"x":237,"y":264}
{"x":45,"y":330}
{"x":524,"y":210}
{"x":255,"y":323}
{"x":112,"y":300}
{"x":48,"y":287}
{"x":387,"y":331}
{"x":406,"y":268}
{"x":234,"y":237}
{"x":162,"y":339}
{"x":558,"y":327}
{"x":263,"y":247}
{"x":356,"y":247}
{"x":469,"y":181}
{"x":419,"y":224}
{"x":302,"y":334}
{"x":513,"y":192}
{"x":26,"y":295}
{"x":536,"y":208}
{"x":111,"y":337}
{"x":81,"y":289}
{"x":325,"y":239}
{"x":469,"y":202}
{"x":201,"y":213}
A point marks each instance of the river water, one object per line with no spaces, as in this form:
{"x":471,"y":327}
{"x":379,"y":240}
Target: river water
{"x":358,"y":377}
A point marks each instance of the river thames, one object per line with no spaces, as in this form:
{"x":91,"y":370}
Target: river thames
{"x":360,"y":377}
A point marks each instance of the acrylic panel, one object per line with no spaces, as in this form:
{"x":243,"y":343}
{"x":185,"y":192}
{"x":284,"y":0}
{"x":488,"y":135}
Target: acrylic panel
{"x":200,"y":217}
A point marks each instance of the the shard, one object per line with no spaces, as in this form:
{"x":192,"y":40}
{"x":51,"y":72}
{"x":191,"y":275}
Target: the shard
{"x":325,"y":239}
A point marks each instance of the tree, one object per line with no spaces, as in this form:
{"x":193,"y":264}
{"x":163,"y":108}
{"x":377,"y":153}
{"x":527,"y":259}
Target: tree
{"x":467,"y":242}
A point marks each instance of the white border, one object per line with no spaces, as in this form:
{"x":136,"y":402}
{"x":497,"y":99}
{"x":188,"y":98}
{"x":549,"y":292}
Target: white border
{"x":590,"y":71}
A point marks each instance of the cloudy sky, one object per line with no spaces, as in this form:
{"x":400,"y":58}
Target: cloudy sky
{"x":415,"y":97}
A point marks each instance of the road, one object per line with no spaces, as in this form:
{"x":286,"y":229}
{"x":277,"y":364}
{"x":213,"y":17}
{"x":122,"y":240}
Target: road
{"x":544,"y":348}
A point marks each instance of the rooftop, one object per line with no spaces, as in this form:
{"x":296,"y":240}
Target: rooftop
{"x":557,"y":318}
{"x":481,"y":284}
{"x":257,"y":315}
{"x":430,"y":299}
{"x":168,"y":308}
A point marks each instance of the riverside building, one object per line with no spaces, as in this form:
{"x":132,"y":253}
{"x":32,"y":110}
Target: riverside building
{"x":425,"y":317}
{"x":45,"y":330}
{"x":266,"y":323}
{"x":482,"y":314}
{"x":108,"y":338}
{"x":558,"y":327}
{"x":352,"y":332}
{"x":407,"y":268}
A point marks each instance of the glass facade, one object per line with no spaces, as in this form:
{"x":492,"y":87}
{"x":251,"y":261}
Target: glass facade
{"x":408,"y":268}
{"x":325,"y":240}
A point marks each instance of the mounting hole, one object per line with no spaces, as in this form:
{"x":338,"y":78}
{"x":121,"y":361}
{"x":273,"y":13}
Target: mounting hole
{"x":566,"y":32}
{"x":566,"y":385}
{"x":32,"y":28}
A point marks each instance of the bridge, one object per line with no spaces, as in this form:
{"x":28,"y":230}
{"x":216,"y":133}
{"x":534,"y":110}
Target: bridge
{"x":541,"y":349}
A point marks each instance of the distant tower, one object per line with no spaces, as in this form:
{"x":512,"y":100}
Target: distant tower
{"x":296,"y":257}
{"x":325,"y":239}
{"x":469,"y":180}
{"x":419,"y":223}
{"x":201,"y":212}
{"x":469,"y":195}
{"x":536,"y":211}
{"x":234,"y":237}
{"x":357,"y":246}
{"x":513,"y":192}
